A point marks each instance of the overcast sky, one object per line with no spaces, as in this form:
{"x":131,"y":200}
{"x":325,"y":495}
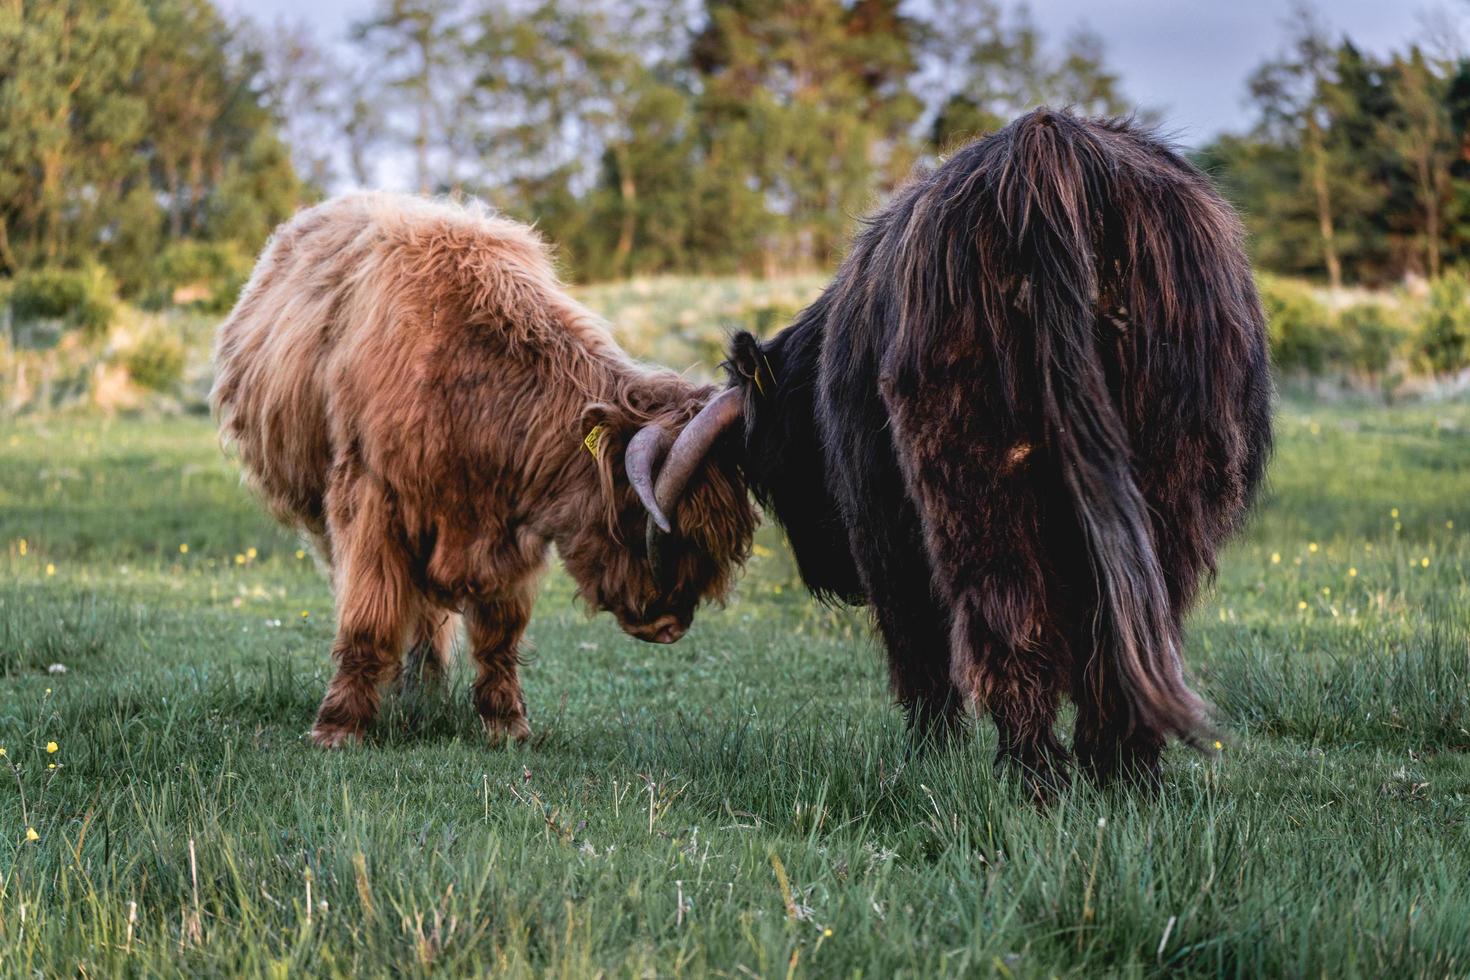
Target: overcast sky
{"x":1188,"y":58}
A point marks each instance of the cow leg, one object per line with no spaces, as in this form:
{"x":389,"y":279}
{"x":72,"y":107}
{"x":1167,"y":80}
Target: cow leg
{"x":373,"y":607}
{"x":429,"y":653}
{"x":495,"y":629}
{"x":915,"y":632}
{"x":1106,"y":742}
{"x":986,"y":538}
{"x":1020,"y":685}
{"x":886,"y":540}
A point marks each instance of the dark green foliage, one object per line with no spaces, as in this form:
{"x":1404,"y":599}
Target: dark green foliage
{"x":203,"y":274}
{"x":1373,"y":335}
{"x":1445,"y":334}
{"x":85,"y":299}
{"x":1302,"y":334}
{"x":1352,"y":172}
{"x":129,"y":125}
{"x":725,"y":136}
{"x":156,"y":361}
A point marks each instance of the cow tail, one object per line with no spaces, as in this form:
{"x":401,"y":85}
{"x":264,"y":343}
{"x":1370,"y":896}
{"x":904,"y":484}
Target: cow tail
{"x":1055,"y":182}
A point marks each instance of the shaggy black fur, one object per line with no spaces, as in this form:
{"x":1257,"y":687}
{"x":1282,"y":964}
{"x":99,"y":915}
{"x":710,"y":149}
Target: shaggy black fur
{"x":1019,"y":424}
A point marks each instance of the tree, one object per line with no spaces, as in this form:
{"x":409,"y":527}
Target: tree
{"x":589,"y":91}
{"x":415,"y":46}
{"x":125,"y":126}
{"x":68,"y":123}
{"x":1291,"y":94}
{"x":1419,"y":134}
{"x":312,"y":94}
{"x":985,"y":64}
{"x":813,"y":99}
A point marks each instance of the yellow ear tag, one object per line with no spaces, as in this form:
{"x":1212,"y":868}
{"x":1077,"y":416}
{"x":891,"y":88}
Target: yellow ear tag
{"x":594,"y":439}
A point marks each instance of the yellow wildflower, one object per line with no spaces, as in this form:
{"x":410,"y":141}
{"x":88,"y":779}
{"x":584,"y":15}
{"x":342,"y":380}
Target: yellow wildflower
{"x":1352,"y":573}
{"x":250,"y":553}
{"x":1302,"y":604}
{"x":1394,"y":513}
{"x":183,"y":549}
{"x":50,"y":569}
{"x":239,"y":559}
{"x":1312,"y":547}
{"x":52,"y":747}
{"x":1219,"y":745}
{"x":31,"y":834}
{"x":1449,"y":525}
{"x":23,"y":547}
{"x":1424,"y":562}
{"x":300,"y":554}
{"x":1275,"y":557}
{"x":305,"y":614}
{"x":1326,"y":590}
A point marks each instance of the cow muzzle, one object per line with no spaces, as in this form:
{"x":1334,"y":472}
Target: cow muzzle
{"x":665,"y":629}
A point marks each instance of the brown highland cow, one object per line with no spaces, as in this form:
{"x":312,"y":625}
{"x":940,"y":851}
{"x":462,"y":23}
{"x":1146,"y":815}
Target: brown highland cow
{"x":407,"y":383}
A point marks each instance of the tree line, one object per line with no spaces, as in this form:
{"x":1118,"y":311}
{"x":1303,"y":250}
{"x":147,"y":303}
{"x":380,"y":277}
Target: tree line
{"x":1357,"y":170}
{"x":158,"y":141}
{"x":127,"y":127}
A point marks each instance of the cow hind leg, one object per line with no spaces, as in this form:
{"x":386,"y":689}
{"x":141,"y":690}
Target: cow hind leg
{"x":1018,"y":682}
{"x":495,"y":630}
{"x":1109,"y":745}
{"x":986,"y":536}
{"x":373,"y":606}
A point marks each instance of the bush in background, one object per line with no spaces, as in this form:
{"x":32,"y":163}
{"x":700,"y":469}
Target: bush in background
{"x":201,"y":275}
{"x":1444,"y":335}
{"x":156,"y":361}
{"x":84,"y":299}
{"x":1374,"y":336}
{"x":1300,"y":328}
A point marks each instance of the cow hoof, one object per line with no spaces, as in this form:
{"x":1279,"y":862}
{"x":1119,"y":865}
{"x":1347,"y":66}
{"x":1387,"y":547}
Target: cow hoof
{"x":335,"y":737}
{"x":499,"y":729}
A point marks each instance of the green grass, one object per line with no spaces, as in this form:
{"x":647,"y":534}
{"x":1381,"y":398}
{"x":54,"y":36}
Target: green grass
{"x":738,"y":804}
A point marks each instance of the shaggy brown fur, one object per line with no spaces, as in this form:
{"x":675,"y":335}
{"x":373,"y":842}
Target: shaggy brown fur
{"x":407,"y":383}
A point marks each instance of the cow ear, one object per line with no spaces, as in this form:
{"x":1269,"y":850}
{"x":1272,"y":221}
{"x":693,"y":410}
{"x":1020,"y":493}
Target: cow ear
{"x":745,"y":356}
{"x":602,"y":430}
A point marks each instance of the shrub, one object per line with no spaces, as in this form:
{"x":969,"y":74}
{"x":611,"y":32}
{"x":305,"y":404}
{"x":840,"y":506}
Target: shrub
{"x":204,"y":275}
{"x":1302,"y":335}
{"x":1373,"y":336}
{"x":156,"y":361}
{"x":1444,"y":334}
{"x":81,"y":298}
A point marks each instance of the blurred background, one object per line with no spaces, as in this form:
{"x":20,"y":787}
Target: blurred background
{"x":699,"y":164}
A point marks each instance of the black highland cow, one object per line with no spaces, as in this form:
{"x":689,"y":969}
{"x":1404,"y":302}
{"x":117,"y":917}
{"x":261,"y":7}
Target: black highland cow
{"x":1019,"y":424}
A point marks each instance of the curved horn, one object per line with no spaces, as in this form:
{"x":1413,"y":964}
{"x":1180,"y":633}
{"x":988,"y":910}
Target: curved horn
{"x":692,"y":446}
{"x":641,"y":460}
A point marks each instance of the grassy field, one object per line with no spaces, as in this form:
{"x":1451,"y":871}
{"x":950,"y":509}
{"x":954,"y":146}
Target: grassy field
{"x":738,"y":804}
